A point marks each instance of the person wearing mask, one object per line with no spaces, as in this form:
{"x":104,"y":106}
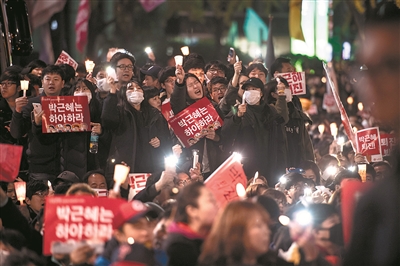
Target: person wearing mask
{"x":252,"y":129}
{"x":195,"y":212}
{"x":140,"y":134}
{"x":237,"y":239}
{"x":188,"y":90}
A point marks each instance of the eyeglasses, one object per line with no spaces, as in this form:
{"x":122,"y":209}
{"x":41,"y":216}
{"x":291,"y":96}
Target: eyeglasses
{"x":170,"y":80}
{"x":8,"y":83}
{"x":184,"y":182}
{"x":41,"y":194}
{"x":222,"y":89}
{"x":216,"y":70}
{"x":125,"y":67}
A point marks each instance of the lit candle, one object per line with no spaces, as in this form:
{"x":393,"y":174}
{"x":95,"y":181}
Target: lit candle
{"x":148,"y":50}
{"x":350,"y":100}
{"x":334,"y":130}
{"x":243,"y":99}
{"x":255,"y":177}
{"x":51,"y":191}
{"x":321,"y":129}
{"x":362,"y":171}
{"x":24,"y":86}
{"x":355,"y":129}
{"x":89,"y":66}
{"x":185,"y":50}
{"x":170,"y":163}
{"x":340,"y":142}
{"x":178,"y":60}
{"x":120,"y":173}
{"x":20,"y":190}
{"x":241,"y":191}
{"x":360,"y":106}
{"x":195,"y":158}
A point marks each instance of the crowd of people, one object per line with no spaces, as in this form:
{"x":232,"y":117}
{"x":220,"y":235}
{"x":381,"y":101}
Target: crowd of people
{"x":292,"y":211}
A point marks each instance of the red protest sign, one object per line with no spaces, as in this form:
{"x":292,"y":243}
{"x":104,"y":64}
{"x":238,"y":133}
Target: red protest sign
{"x":10,"y":159}
{"x":70,"y":221}
{"x":138,"y":181}
{"x":223,"y":181}
{"x":368,"y":143}
{"x":352,"y":190}
{"x":297,"y":82}
{"x":193,"y":122}
{"x":65,"y":114}
{"x":65,"y":58}
{"x":388,"y":142}
{"x":166,"y":110}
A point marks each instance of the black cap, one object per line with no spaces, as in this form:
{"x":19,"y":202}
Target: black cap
{"x":255,"y":82}
{"x":152,"y":71}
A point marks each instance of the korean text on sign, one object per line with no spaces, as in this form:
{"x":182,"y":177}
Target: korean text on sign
{"x":368,"y":143}
{"x":78,"y":218}
{"x":297,"y":82}
{"x":194,"y":122}
{"x":65,"y":58}
{"x":138,"y":181}
{"x":65,"y":114}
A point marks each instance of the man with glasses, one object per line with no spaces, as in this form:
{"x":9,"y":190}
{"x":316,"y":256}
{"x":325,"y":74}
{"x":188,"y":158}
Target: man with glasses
{"x":124,"y":66}
{"x":217,"y":88}
{"x":215,"y":69}
{"x":36,"y":193}
{"x":167,"y":78}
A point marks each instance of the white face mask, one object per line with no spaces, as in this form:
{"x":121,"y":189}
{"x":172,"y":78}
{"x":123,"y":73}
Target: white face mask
{"x":134,"y":97}
{"x":87,"y":94}
{"x":252,"y":97}
{"x":102,"y":85}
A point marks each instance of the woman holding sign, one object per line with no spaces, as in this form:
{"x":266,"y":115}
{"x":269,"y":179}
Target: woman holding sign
{"x":188,"y":90}
{"x":140,"y":134}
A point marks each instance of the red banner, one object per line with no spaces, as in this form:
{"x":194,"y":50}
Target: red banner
{"x":10,"y":160}
{"x":65,"y":114}
{"x":82,"y":24}
{"x":297,"y":82}
{"x":388,"y":142}
{"x":368,"y":143}
{"x":65,"y":58}
{"x":352,"y":190}
{"x":193,"y":122}
{"x":150,"y":5}
{"x":71,"y":221}
{"x":224,"y":180}
{"x":138,"y":181}
{"x":166,"y":110}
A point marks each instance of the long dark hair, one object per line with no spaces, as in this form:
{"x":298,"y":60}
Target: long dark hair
{"x":187,"y":196}
{"x":227,"y":242}
{"x":94,"y":105}
{"x":190,"y":101}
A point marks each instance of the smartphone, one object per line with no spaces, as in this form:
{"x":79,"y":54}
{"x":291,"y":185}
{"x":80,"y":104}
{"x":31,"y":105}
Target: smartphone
{"x":231,"y":54}
{"x":37,"y":107}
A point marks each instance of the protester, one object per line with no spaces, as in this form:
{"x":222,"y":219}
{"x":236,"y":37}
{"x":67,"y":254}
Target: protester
{"x":124,"y":67}
{"x":130,"y":118}
{"x":195,"y":212}
{"x":237,"y":239}
{"x":252,"y":129}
